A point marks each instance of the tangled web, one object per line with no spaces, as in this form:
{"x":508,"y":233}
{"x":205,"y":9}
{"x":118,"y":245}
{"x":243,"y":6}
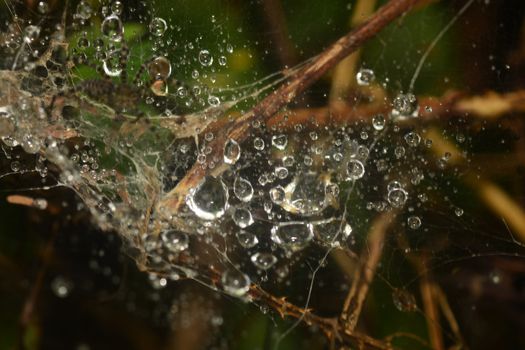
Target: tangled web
{"x":110,"y":102}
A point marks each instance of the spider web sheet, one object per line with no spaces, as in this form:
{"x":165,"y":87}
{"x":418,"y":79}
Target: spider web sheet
{"x":294,"y":209}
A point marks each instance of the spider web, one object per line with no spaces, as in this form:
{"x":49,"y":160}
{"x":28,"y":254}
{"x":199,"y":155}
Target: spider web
{"x":306,"y":206}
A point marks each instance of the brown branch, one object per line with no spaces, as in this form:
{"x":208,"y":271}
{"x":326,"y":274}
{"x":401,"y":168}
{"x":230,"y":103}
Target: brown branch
{"x":330,"y":326}
{"x":239,"y":129}
{"x":364,"y":275}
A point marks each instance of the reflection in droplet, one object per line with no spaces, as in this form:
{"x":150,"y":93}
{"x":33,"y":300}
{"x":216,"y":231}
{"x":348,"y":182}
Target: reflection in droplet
{"x":293,"y":236}
{"x":263,"y":260}
{"x":235,"y":282}
{"x":242,"y":189}
{"x":209,"y":199}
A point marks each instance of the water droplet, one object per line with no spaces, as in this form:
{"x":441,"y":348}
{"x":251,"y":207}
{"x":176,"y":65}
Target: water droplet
{"x":355,"y":170}
{"x":397,"y":197}
{"x":330,"y":232}
{"x":176,"y":241}
{"x":247,"y":239}
{"x":404,"y":106}
{"x":112,"y":28}
{"x":365,"y":77}
{"x":205,"y":58}
{"x":281,"y":172}
{"x":277,"y":194}
{"x":378,"y":122}
{"x":235,"y":282}
{"x":31,"y":33}
{"x":306,"y":194}
{"x":117,"y":7}
{"x":159,"y":68}
{"x":242,"y":217}
{"x":84,"y":10}
{"x":213,"y":101}
{"x":43,"y":7}
{"x":158,"y":26}
{"x":263,"y":260}
{"x":242,"y":189}
{"x":412,"y":139}
{"x":280,"y":141}
{"x":61,"y":287}
{"x":15,"y":166}
{"x":458,"y":211}
{"x":30,"y":143}
{"x":111,"y":66}
{"x":292,"y":236}
{"x":209,"y":199}
{"x":232,"y":151}
{"x":258,"y":144}
{"x":414,"y":222}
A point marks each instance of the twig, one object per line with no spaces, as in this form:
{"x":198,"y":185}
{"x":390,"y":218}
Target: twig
{"x":330,"y":326}
{"x":239,"y":129}
{"x":364,"y":275}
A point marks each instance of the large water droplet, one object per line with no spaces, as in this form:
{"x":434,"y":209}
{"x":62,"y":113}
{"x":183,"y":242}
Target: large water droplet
{"x":158,"y":26}
{"x":397,"y":197}
{"x":242,"y":217}
{"x":293,"y":236}
{"x":235,"y":282}
{"x":112,"y":28}
{"x":247,"y":239}
{"x":414,"y":222}
{"x":242,"y":189}
{"x":306,"y":194}
{"x":263,"y":260}
{"x":175,"y":241}
{"x":159,"y":68}
{"x":209,"y":199}
{"x":205,"y":58}
{"x":365,"y":77}
{"x":280,"y":141}
{"x":404,"y":106}
{"x":232,"y":151}
{"x":355,"y":170}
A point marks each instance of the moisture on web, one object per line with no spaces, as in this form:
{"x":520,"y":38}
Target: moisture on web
{"x":357,"y":187}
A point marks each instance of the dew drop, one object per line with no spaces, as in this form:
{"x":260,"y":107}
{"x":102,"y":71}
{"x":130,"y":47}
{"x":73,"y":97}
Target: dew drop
{"x":159,"y":68}
{"x":176,"y":241}
{"x":280,"y":141}
{"x":242,"y":189}
{"x":258,"y":144}
{"x":209,"y":199}
{"x":247,"y":239}
{"x":263,"y":260}
{"x":232,"y":151}
{"x":378,"y":122}
{"x":235,"y":282}
{"x":405,"y":105}
{"x":205,"y":58}
{"x":277,"y":194}
{"x":365,"y":77}
{"x":414,"y":222}
{"x":61,"y":287}
{"x":355,"y":170}
{"x":158,"y":26}
{"x":397,"y":197}
{"x":292,"y":236}
{"x":112,"y":28}
{"x":242,"y":217}
{"x":412,"y":139}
